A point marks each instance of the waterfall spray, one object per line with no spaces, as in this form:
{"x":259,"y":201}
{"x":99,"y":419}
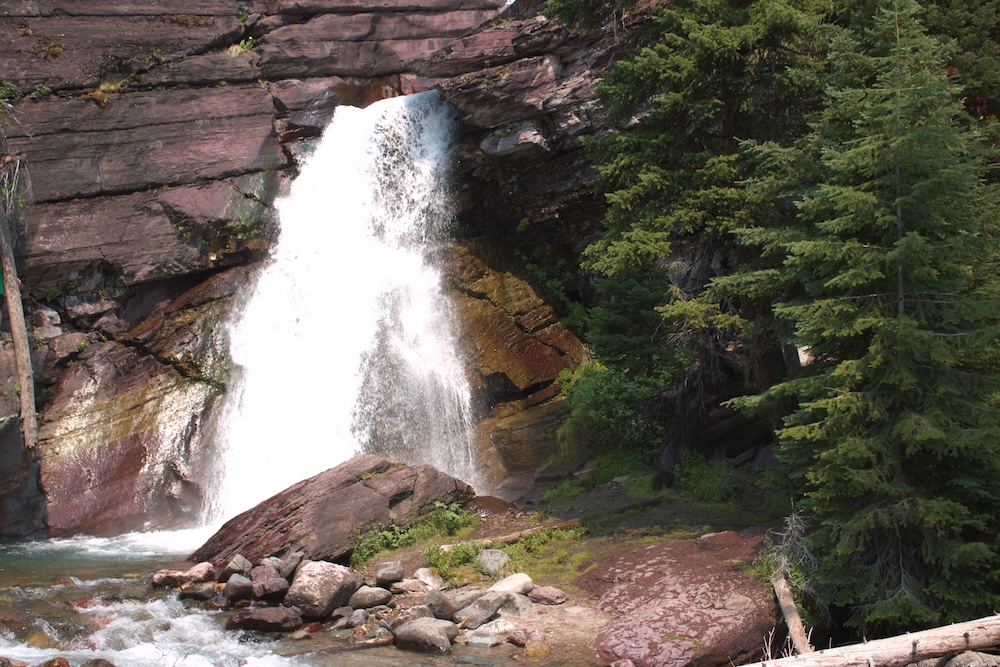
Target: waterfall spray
{"x":347,"y":343}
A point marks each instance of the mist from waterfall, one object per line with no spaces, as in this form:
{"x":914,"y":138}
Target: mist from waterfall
{"x":347,"y":343}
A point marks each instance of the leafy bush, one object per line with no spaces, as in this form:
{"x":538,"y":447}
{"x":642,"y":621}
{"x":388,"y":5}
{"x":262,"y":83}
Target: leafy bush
{"x":608,"y":411}
{"x":446,"y":562}
{"x":444,"y":521}
{"x":707,"y":481}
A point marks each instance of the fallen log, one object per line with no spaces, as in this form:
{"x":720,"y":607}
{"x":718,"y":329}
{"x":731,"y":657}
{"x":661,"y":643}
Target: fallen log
{"x":902,"y":650}
{"x":800,"y":640}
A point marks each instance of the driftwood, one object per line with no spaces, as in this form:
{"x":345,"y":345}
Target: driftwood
{"x":800,"y":640}
{"x":975,"y":635}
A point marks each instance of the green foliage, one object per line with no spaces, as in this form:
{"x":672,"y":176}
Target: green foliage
{"x":448,"y":562}
{"x":9,"y":91}
{"x":588,"y":15}
{"x":242,"y":12}
{"x":709,"y":481}
{"x":609,"y":412}
{"x":444,"y":521}
{"x":601,"y":470}
{"x":242,"y":47}
{"x":890,"y":282}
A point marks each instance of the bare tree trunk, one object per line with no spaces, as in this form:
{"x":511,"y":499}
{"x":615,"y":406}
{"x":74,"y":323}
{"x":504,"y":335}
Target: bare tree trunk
{"x":975,"y":635}
{"x":800,"y":639}
{"x":19,"y":332}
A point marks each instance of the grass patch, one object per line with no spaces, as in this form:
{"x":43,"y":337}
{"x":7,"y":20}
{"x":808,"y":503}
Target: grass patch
{"x":445,"y":521}
{"x":551,"y":555}
{"x":600,"y":471}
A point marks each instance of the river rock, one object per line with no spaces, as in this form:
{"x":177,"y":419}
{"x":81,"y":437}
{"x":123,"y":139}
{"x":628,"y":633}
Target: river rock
{"x":428,"y":578}
{"x":237,"y":565}
{"x":367,"y":597}
{"x":521,"y":636}
{"x":268,"y":584}
{"x":425,"y":634}
{"x":266,"y":619}
{"x":408,"y":586}
{"x":679,"y":600}
{"x":284,"y":566}
{"x":549,"y":595}
{"x":481,"y":610}
{"x":411,"y":614}
{"x":440,"y":605}
{"x":203,"y":591}
{"x":238,"y":587}
{"x":491,"y":561}
{"x":480,"y":639}
{"x":518,"y":583}
{"x":517,"y":605}
{"x":200,"y":573}
{"x":388,"y":573}
{"x":321,"y":587}
{"x":321,"y":515}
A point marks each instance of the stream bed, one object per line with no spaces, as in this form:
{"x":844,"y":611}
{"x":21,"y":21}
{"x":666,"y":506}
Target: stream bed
{"x":87,"y":598}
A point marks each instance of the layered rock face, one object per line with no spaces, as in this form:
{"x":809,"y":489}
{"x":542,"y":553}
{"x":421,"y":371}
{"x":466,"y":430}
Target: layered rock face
{"x":158,"y":136}
{"x":321,"y":516}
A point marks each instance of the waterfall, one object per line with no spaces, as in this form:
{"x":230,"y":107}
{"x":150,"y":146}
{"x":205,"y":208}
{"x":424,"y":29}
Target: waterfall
{"x":346,"y":342}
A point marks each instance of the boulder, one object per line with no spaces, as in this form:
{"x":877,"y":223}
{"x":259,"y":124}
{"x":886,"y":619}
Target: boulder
{"x":411,"y":614}
{"x":441,"y":605}
{"x":320,"y":516}
{"x":677,"y":601}
{"x":203,"y":591}
{"x":517,"y":605}
{"x":549,"y":595}
{"x":491,"y":561}
{"x":518,"y":583}
{"x":388,"y":573}
{"x":481,"y":610}
{"x":238,"y":587}
{"x":268,"y":584}
{"x":237,"y":565}
{"x":428,"y":578}
{"x":321,"y":587}
{"x":425,"y":634}
{"x":285,"y":567}
{"x":367,"y":597}
{"x":200,"y":573}
{"x":266,"y":619}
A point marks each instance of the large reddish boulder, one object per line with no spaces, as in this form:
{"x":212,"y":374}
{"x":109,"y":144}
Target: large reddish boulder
{"x":684,"y":603}
{"x":321,"y":516}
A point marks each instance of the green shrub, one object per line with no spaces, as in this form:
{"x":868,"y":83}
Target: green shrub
{"x":608,"y":411}
{"x":707,"y":481}
{"x":444,"y":521}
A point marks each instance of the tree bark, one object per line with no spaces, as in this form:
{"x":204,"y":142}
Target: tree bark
{"x":19,"y":332}
{"x":800,"y":640}
{"x":975,"y":635}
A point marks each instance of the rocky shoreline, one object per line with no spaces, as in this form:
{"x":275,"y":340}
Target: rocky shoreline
{"x":300,"y":597}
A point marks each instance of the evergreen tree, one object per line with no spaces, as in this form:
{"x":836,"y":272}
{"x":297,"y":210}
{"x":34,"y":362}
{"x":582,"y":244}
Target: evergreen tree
{"x":890,"y":283}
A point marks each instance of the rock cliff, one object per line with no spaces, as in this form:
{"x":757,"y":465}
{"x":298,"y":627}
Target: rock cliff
{"x":158,"y":135}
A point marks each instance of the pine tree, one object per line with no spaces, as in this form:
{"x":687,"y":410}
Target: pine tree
{"x":890,"y":283}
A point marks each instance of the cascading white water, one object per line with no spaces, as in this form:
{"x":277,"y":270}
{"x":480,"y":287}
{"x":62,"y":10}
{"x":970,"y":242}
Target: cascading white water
{"x":347,"y":343}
